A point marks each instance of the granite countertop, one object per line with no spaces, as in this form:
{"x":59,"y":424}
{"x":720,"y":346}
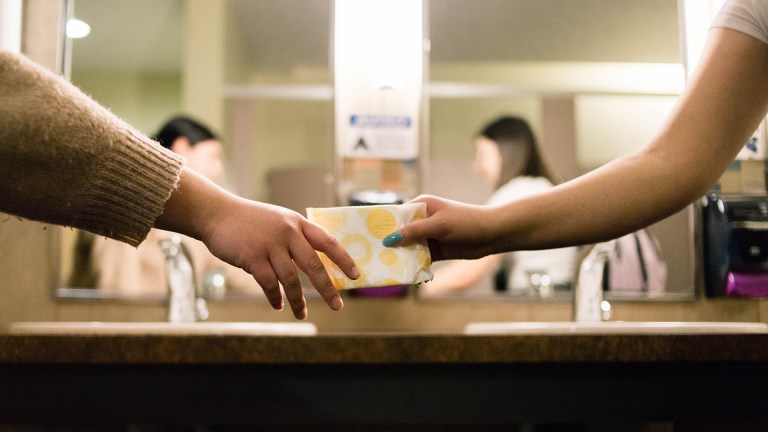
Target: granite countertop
{"x":351,"y":380}
{"x":385,"y":348}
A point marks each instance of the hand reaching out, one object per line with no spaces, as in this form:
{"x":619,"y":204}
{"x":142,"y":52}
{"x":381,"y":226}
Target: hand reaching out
{"x":453,"y":230}
{"x":267,"y":241}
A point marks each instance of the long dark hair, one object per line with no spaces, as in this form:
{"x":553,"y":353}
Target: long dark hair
{"x":182,"y":126}
{"x":518,"y":147}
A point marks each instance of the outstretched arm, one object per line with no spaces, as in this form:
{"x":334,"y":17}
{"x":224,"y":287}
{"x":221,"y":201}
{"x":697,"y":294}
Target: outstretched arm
{"x":67,"y":160}
{"x":721,"y":107}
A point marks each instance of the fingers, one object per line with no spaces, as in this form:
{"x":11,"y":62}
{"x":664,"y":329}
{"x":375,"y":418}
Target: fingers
{"x":289,"y":278}
{"x":306,"y":258}
{"x":393,"y":239}
{"x":411,"y":233}
{"x":270,"y":242}
{"x":418,"y":230}
{"x":269,"y":284}
{"x":302,"y":252}
{"x":282,"y":271}
{"x":322,"y":241}
{"x":431,"y":201}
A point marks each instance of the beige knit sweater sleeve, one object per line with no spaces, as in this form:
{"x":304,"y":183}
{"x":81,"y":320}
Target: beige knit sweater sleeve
{"x":66,"y":160}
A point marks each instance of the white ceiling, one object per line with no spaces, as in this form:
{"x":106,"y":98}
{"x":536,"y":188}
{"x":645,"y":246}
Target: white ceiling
{"x":147,"y":34}
{"x":129,"y":35}
{"x":554,"y":30}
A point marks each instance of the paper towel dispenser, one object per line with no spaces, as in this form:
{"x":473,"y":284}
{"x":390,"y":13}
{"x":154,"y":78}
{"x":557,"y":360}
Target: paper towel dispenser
{"x":735,"y":245}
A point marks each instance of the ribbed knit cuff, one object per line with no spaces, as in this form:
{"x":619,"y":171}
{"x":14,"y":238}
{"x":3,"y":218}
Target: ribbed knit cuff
{"x":67,"y":160}
{"x":131,"y":191}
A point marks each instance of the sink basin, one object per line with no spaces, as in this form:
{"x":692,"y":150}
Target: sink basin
{"x":613,"y":327}
{"x":194,"y":328}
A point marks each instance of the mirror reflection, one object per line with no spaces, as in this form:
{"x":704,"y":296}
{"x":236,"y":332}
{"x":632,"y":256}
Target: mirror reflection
{"x":115,"y":267}
{"x":590,"y":79}
{"x":593,"y":80}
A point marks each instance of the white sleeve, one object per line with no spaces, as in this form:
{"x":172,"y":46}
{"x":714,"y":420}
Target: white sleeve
{"x":746,"y":16}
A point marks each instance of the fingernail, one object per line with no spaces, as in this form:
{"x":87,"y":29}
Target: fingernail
{"x":337,"y":303}
{"x":393,"y":239}
{"x":355,"y":272}
{"x":302,"y":315}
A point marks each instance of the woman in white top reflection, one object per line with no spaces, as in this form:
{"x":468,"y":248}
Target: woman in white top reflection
{"x":508,"y":157}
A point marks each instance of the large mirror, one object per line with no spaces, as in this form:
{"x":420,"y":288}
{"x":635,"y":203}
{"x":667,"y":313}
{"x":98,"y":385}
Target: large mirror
{"x":592,"y":78}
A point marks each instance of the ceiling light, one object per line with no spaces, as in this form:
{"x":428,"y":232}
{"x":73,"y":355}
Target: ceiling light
{"x":77,"y":29}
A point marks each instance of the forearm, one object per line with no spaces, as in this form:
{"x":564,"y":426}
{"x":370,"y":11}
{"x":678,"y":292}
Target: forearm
{"x":192,"y":205}
{"x":617,"y":198}
{"x":722,"y":105}
{"x":65,"y":159}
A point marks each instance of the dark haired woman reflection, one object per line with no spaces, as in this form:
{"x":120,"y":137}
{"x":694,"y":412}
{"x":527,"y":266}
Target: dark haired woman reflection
{"x":508,"y":157}
{"x":114,"y":266}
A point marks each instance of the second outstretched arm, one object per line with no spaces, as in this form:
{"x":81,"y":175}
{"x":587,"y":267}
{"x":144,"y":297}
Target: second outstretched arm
{"x":721,"y":107}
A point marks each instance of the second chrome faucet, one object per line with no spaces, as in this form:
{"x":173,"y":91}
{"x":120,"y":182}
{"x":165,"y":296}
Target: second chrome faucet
{"x":588,"y":302}
{"x":184,"y":305}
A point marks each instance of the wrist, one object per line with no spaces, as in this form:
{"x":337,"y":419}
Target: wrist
{"x":192,"y":206}
{"x":508,"y":227}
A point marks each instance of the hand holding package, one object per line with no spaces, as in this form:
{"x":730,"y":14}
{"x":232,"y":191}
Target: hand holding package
{"x":360,"y":231}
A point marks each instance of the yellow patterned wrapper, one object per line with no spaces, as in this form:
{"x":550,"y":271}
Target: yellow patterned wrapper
{"x":361,"y":231}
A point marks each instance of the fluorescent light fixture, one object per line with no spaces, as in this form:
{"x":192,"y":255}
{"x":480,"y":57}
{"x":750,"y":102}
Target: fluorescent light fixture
{"x":378,"y":73}
{"x":77,"y":29}
{"x":380,"y":39}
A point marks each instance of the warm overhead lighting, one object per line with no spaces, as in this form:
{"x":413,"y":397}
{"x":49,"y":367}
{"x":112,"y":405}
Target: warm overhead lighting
{"x":381,"y":39}
{"x":77,"y":29}
{"x":378,"y":72}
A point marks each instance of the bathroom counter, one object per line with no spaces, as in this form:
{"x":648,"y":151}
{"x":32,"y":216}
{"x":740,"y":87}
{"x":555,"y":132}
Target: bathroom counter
{"x":381,"y":348}
{"x":384,"y":380}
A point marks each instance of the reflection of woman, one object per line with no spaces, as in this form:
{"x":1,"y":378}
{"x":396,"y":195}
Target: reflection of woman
{"x":118,"y":267}
{"x":507,"y":155}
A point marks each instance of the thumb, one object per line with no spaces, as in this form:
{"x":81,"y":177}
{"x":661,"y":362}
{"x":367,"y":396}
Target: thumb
{"x":413,"y":232}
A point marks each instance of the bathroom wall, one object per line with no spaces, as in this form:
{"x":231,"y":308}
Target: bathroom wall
{"x":26,"y":263}
{"x":27,"y":267}
{"x":146,"y":100}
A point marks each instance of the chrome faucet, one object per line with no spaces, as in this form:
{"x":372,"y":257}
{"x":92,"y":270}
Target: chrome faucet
{"x":588,"y":303}
{"x":183,"y":303}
